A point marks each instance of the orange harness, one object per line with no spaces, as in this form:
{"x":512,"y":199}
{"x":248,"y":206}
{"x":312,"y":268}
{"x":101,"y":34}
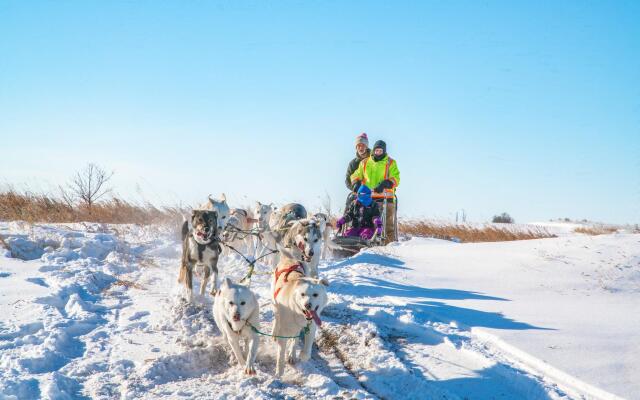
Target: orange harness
{"x":294,"y":268}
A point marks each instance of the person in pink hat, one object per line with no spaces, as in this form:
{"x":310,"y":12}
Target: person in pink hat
{"x":362,"y":152}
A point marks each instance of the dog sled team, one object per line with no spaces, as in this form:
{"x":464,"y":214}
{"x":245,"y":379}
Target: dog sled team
{"x":292,"y":242}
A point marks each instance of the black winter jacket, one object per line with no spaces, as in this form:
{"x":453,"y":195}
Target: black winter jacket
{"x":361,"y":216}
{"x":353,"y":166}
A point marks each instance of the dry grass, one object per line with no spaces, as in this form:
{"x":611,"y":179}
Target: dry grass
{"x":125,"y":283}
{"x":595,"y":230}
{"x":467,"y":234}
{"x":32,"y":207}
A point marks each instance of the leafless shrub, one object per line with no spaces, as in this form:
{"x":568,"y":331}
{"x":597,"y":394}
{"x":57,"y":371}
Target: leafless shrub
{"x":326,"y":203}
{"x":88,"y":185}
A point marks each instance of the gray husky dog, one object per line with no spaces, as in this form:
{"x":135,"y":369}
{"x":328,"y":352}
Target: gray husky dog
{"x":200,"y":250}
{"x":279,"y":224}
{"x":282,"y":220}
{"x":303,"y":242}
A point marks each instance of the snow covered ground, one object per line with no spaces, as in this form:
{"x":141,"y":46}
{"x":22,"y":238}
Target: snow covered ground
{"x":92,"y":311}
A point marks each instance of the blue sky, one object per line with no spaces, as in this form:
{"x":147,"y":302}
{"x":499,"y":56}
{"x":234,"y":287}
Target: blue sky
{"x":527,"y":107}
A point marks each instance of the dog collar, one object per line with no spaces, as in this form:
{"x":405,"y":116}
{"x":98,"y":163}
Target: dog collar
{"x":233,"y":330}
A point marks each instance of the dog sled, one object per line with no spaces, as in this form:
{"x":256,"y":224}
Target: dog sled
{"x":350,"y":245}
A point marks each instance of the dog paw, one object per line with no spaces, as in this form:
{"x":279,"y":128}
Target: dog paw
{"x":291,"y":359}
{"x":250,"y":370}
{"x":304,"y":356}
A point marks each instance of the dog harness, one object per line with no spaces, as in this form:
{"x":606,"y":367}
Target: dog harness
{"x":294,"y":268}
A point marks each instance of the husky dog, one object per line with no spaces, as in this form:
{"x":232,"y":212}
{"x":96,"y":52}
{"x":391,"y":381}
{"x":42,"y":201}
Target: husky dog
{"x":221,"y":207}
{"x":242,"y":216}
{"x":279,"y":224}
{"x":325,"y":231}
{"x":200,"y":250}
{"x":238,"y":220}
{"x":262,"y":214}
{"x":230,"y":236}
{"x":281,"y":220}
{"x":298,"y":302}
{"x":236,"y":310}
{"x":303,"y":242}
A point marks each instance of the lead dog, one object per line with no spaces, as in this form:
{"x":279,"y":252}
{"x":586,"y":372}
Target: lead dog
{"x":200,"y":250}
{"x":236,"y":311}
{"x":298,"y":301}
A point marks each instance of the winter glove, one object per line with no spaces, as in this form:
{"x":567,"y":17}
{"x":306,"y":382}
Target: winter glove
{"x":385,"y":184}
{"x":356,"y":186}
{"x":339,"y":223}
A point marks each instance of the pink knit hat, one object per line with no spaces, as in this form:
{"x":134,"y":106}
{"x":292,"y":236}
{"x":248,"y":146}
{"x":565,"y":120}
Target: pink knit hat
{"x":362,"y":138}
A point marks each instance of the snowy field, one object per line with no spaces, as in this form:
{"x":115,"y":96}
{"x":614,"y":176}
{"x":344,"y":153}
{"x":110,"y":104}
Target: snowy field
{"x":89,"y":311}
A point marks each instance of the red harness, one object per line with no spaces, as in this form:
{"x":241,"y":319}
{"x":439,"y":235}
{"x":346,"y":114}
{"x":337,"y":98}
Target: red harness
{"x":294,"y":268}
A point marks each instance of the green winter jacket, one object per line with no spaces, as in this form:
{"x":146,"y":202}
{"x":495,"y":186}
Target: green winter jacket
{"x":371,"y":173}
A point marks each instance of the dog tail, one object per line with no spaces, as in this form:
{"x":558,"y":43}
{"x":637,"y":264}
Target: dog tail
{"x":183,"y":274}
{"x":185,"y":229}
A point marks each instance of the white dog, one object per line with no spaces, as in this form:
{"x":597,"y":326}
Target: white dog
{"x":262,"y":213}
{"x":262,"y":216}
{"x":221,"y":207}
{"x":235,"y":311}
{"x":298,"y":302}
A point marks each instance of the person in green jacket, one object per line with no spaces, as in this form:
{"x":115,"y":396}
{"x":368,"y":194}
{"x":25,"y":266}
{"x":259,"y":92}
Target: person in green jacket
{"x":379,"y":171}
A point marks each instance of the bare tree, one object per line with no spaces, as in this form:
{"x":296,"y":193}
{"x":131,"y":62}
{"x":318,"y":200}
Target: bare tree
{"x":326,"y":203}
{"x":89,"y":184}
